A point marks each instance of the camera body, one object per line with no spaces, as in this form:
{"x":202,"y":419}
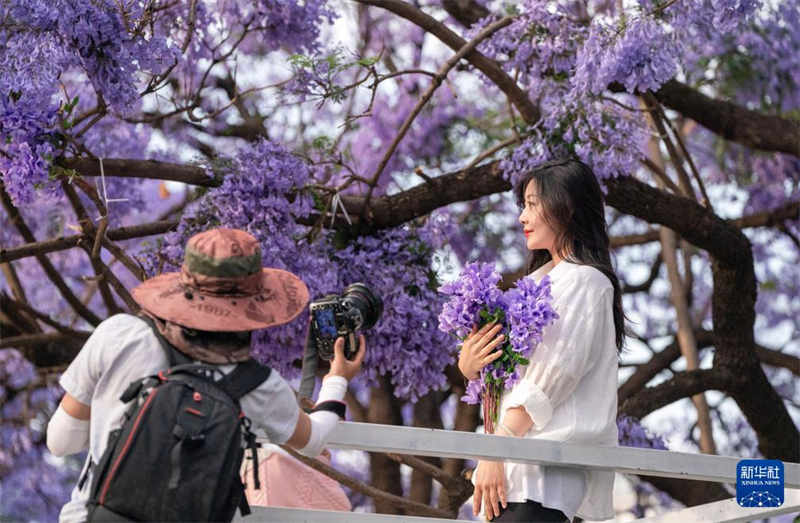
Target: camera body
{"x":357,"y":308}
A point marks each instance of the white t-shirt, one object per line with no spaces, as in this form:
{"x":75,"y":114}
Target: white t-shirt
{"x":123,"y":349}
{"x":569,"y":389}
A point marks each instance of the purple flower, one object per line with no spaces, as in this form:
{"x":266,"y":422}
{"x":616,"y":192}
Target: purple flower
{"x":473,"y":395}
{"x":524,"y":312}
{"x":642,"y":56}
{"x":15,"y":371}
{"x":528,"y":312}
{"x":511,"y":379}
{"x":633,"y":434}
{"x":474,"y":290}
{"x":26,"y":169}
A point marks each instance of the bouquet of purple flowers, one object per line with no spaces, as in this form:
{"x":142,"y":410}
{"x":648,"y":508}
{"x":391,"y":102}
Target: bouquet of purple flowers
{"x":524,"y":311}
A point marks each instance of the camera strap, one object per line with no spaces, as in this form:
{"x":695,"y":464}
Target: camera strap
{"x":310,"y":360}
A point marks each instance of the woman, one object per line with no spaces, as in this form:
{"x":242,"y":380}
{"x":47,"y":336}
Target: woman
{"x":569,"y":389}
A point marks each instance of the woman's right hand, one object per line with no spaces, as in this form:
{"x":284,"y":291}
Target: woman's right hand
{"x":476,"y":352}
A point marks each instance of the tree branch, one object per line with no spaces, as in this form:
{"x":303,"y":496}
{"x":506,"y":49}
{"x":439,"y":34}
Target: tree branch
{"x":67,"y":242}
{"x":112,"y":280}
{"x":45,"y":350}
{"x":468,"y":12}
{"x":446,"y":480}
{"x":645,"y":285}
{"x":776,"y":358}
{"x":660,"y":361}
{"x":488,"y":67}
{"x":773,"y":218}
{"x":150,"y":169}
{"x":733,"y":122}
{"x":682,"y":385}
{"x":678,"y":291}
{"x":52,"y":273}
{"x":427,"y":95}
{"x":6,"y":301}
{"x":391,"y":211}
{"x":94,"y":258}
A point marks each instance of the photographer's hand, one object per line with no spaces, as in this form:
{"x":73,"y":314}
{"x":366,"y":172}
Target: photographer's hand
{"x":341,"y":366}
{"x":476,"y":352}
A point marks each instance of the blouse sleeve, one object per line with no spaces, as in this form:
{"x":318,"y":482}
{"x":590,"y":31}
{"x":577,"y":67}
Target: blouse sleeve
{"x":565,"y":353}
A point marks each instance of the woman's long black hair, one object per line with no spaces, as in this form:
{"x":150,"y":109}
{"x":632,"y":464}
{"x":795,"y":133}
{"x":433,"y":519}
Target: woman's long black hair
{"x":572,"y":204}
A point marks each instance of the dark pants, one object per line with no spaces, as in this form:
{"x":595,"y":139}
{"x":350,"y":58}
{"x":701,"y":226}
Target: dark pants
{"x":530,"y":512}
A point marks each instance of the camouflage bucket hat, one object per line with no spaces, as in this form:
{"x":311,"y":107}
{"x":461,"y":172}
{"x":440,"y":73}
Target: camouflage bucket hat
{"x":222,"y":287}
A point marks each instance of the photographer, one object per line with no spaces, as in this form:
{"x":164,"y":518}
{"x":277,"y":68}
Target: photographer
{"x":206,"y":313}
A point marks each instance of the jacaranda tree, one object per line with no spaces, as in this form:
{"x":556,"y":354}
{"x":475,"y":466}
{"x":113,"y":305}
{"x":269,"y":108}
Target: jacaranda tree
{"x":376,"y":141}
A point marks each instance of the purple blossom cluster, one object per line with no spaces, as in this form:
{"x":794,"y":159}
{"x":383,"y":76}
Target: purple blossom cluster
{"x":290,"y":24}
{"x":98,"y":41}
{"x":26,"y":169}
{"x":39,"y":42}
{"x":528,"y":312}
{"x":438,"y":230}
{"x":33,"y":488}
{"x":312,"y":77}
{"x":16,"y":373}
{"x":751,"y":45}
{"x":405,"y":344}
{"x":633,"y":434}
{"x":641,"y":56}
{"x":707,"y":16}
{"x":474,"y":290}
{"x":524,"y":312}
{"x":567,"y":60}
{"x":540,"y":43}
{"x":24,"y":143}
{"x":608,"y":138}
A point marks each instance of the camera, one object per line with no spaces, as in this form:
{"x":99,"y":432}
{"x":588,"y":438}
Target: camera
{"x":357,"y":308}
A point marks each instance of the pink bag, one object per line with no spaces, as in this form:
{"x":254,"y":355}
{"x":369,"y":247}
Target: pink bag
{"x":285,"y":482}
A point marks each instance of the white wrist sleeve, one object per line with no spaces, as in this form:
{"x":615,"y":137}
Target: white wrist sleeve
{"x":333,"y":389}
{"x":67,"y":435}
{"x":324,"y":422}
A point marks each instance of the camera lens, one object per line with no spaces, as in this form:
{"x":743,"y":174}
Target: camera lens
{"x":370,"y":305}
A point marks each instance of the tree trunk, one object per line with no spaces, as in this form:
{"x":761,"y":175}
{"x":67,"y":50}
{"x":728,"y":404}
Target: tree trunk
{"x":679,"y":292}
{"x":385,"y":409}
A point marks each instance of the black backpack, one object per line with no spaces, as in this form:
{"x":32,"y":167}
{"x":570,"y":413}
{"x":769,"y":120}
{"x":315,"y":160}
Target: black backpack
{"x":178,"y":453}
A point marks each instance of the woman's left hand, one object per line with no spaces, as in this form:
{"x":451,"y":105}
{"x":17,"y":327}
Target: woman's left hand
{"x":490,"y":487}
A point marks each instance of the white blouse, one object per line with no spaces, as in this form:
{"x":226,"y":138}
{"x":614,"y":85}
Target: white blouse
{"x":569,"y":389}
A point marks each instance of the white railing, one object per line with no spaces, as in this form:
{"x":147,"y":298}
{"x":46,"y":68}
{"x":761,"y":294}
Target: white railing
{"x":452,"y":444}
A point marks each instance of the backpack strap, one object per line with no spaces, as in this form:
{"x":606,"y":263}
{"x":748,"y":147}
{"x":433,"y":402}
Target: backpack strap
{"x":247,"y":376}
{"x":174,"y":356}
{"x":244,"y":378}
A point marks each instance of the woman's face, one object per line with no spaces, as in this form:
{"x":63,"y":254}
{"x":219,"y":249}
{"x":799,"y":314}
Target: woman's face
{"x":538,"y":233}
